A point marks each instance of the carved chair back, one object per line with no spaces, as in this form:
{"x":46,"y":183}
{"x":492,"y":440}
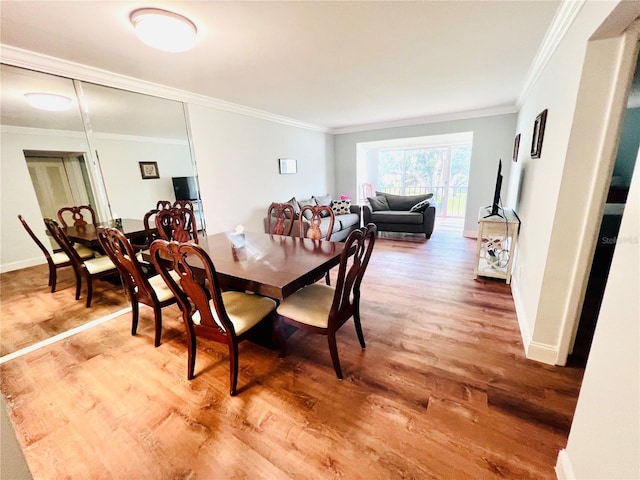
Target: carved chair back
{"x":283,"y":215}
{"x":315,"y":221}
{"x":76,"y":215}
{"x":176,"y":224}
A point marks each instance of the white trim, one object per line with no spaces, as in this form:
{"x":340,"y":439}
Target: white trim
{"x":564,"y":17}
{"x":29,"y":262}
{"x":470,"y":234}
{"x":57,"y":66}
{"x":41,"y":132}
{"x":446,"y":117}
{"x":564,"y":469}
{"x":139,"y":138}
{"x":62,"y":336}
{"x":541,"y":352}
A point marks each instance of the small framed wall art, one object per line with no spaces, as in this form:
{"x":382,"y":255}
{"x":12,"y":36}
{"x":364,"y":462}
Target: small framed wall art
{"x":288,"y":165}
{"x":538,"y":134}
{"x":516,"y":147}
{"x":149,"y":170}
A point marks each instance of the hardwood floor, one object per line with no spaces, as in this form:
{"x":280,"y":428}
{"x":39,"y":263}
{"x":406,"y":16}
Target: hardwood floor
{"x":443,"y":390}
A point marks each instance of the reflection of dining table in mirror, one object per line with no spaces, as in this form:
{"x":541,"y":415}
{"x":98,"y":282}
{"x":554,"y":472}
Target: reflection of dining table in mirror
{"x":88,"y":235}
{"x":271,"y":265}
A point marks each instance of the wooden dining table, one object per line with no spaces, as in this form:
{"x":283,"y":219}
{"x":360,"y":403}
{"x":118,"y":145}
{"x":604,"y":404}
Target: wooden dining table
{"x":88,"y":234}
{"x":274,"y":266}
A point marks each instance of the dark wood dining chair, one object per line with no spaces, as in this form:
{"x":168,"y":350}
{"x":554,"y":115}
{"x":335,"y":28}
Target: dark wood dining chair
{"x":208,"y":312}
{"x":282,"y":214}
{"x":96,"y":267}
{"x":163,"y":205}
{"x":324,"y":309}
{"x":152,"y":291}
{"x":57,"y":259}
{"x":315,"y":221}
{"x":188,"y":205}
{"x":150,"y":232}
{"x":77,"y":215}
{"x":176,"y":224}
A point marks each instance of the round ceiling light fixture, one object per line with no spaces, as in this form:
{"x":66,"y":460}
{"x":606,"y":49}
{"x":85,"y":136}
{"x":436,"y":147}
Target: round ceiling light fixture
{"x":163,"y":30}
{"x":48,"y":101}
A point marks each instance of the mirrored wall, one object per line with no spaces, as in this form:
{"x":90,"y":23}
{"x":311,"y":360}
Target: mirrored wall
{"x":91,"y":152}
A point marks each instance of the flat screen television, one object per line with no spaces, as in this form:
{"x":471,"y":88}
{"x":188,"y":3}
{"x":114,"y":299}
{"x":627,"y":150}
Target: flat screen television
{"x":495,"y":206}
{"x":185,"y":188}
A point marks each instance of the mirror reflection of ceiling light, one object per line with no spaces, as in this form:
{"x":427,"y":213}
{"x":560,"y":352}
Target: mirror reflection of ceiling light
{"x":163,"y":30}
{"x":49,"y":101}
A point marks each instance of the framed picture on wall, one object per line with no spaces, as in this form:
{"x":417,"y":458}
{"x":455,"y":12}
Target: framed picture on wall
{"x":538,"y":134}
{"x":516,"y":147}
{"x":288,"y":165}
{"x":149,"y":170}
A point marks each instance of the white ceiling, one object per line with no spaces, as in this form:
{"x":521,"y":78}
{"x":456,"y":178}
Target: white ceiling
{"x":331,"y":64}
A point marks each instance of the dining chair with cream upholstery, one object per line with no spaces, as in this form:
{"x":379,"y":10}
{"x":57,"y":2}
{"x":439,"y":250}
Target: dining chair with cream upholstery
{"x":76,"y":215}
{"x":90,"y":268}
{"x":324,"y":309}
{"x":315,"y":216}
{"x":176,"y":224}
{"x":56,"y":259}
{"x":208,"y":312}
{"x":152,"y":291}
{"x":283,"y":215}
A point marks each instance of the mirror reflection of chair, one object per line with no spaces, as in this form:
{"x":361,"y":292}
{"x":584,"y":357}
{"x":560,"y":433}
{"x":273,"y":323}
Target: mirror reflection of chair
{"x":177,"y":224}
{"x":152,"y":291}
{"x":224,"y":317}
{"x":163,"y":205}
{"x":324,"y":309}
{"x":315,"y":226}
{"x":57,"y":259}
{"x":89,"y":268}
{"x":188,"y":205}
{"x":283,"y":215}
{"x":76,"y":216}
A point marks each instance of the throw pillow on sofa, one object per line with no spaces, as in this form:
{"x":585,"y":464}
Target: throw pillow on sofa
{"x":341,"y":207}
{"x":296,"y":208}
{"x":420,"y":206}
{"x":378,"y":203}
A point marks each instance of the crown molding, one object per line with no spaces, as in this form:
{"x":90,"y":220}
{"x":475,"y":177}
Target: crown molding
{"x":562,"y":21}
{"x":42,"y":132}
{"x":44,"y":63}
{"x":409,"y":122}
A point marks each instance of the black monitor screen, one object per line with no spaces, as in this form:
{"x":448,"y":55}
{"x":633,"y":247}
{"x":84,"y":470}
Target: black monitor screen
{"x":185,"y":188}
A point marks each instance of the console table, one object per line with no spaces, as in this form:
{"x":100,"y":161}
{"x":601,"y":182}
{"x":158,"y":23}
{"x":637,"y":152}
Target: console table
{"x":496,"y":246}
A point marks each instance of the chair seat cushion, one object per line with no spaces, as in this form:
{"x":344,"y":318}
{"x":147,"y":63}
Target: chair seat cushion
{"x":395,"y":216}
{"x":163,"y":292}
{"x":84,"y":252}
{"x":244,"y":310}
{"x":99,"y":265}
{"x":310,"y":305}
{"x":59,"y":258}
{"x":347,"y":220}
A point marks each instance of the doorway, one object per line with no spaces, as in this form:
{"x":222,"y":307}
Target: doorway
{"x":60,"y":179}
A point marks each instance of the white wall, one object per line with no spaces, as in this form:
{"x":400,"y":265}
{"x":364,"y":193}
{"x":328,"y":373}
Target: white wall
{"x":492,"y":140}
{"x":131,"y":196}
{"x":237,"y":158}
{"x":604,"y":441}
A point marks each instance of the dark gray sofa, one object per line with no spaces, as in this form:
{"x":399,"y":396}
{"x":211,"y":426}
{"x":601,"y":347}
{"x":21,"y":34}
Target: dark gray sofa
{"x":391,"y":213}
{"x":343,"y":224}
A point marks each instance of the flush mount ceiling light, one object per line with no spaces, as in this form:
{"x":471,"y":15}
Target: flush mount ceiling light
{"x":48,"y":101}
{"x":166,"y":31}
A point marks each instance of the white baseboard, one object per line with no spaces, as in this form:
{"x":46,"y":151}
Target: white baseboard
{"x":564,"y":470}
{"x":30,"y":262}
{"x":470,"y":233}
{"x":537,"y":351}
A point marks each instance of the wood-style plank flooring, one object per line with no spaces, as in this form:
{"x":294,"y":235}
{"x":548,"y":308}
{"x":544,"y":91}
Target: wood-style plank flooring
{"x":443,"y":389}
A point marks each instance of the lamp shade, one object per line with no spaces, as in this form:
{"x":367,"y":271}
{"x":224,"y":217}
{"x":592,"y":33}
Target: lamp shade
{"x":163,"y":30}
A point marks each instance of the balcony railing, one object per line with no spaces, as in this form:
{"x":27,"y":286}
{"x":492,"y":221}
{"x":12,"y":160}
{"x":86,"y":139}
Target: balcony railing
{"x":452,"y":201}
